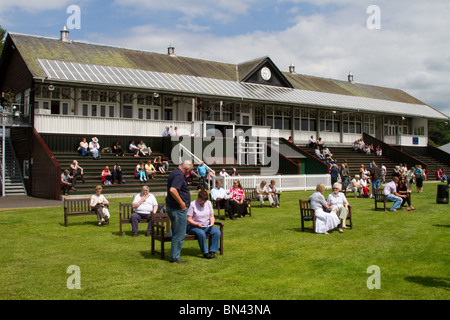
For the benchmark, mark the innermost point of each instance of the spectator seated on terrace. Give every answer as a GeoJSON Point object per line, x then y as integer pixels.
{"type": "Point", "coordinates": [143, 149]}
{"type": "Point", "coordinates": [319, 154]}
{"type": "Point", "coordinates": [312, 142]}
{"type": "Point", "coordinates": [94, 146]}
{"type": "Point", "coordinates": [133, 148]}
{"type": "Point", "coordinates": [440, 175]}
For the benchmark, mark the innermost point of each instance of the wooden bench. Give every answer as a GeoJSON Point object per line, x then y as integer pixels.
{"type": "Point", "coordinates": [256, 198]}
{"type": "Point", "coordinates": [161, 232]}
{"type": "Point", "coordinates": [77, 207]}
{"type": "Point", "coordinates": [380, 198]}
{"type": "Point", "coordinates": [308, 214]}
{"type": "Point", "coordinates": [125, 212]}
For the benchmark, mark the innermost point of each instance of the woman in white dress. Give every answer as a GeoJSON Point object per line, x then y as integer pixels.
{"type": "Point", "coordinates": [339, 203]}
{"type": "Point", "coordinates": [325, 221]}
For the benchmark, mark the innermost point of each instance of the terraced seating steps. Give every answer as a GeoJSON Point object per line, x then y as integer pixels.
{"type": "Point", "coordinates": [92, 172]}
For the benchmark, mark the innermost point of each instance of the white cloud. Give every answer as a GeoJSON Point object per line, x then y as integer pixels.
{"type": "Point", "coordinates": [410, 52]}
{"type": "Point", "coordinates": [217, 10]}
{"type": "Point", "coordinates": [34, 6]}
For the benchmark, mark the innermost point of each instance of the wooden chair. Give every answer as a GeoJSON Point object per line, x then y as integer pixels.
{"type": "Point", "coordinates": [380, 198]}
{"type": "Point", "coordinates": [216, 205]}
{"type": "Point", "coordinates": [307, 214]}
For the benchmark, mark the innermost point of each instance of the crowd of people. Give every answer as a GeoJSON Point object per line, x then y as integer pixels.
{"type": "Point", "coordinates": [92, 149]}
{"type": "Point", "coordinates": [197, 217]}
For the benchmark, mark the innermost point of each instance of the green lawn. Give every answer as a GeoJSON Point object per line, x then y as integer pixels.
{"type": "Point", "coordinates": [265, 257]}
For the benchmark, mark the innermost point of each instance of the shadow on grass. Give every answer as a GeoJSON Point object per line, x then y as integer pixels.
{"type": "Point", "coordinates": [441, 225]}
{"type": "Point", "coordinates": [431, 282]}
{"type": "Point", "coordinates": [185, 253]}
{"type": "Point", "coordinates": [84, 223]}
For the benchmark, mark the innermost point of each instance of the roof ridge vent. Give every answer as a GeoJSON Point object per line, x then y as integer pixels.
{"type": "Point", "coordinates": [65, 35]}
{"type": "Point", "coordinates": [171, 51]}
{"type": "Point", "coordinates": [350, 77]}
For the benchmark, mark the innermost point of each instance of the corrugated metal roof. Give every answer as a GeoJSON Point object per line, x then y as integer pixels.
{"type": "Point", "coordinates": [118, 76]}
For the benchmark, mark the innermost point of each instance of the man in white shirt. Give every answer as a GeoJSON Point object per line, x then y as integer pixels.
{"type": "Point", "coordinates": [318, 154]}
{"type": "Point", "coordinates": [391, 194]}
{"type": "Point", "coordinates": [221, 197]}
{"type": "Point", "coordinates": [144, 204]}
{"type": "Point", "coordinates": [223, 173]}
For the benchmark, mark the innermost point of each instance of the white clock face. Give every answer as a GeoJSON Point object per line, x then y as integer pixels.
{"type": "Point", "coordinates": [265, 73]}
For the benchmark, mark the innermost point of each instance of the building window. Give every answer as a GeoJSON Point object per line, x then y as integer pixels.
{"type": "Point", "coordinates": [278, 117]}
{"type": "Point", "coordinates": [259, 115]}
{"type": "Point", "coordinates": [308, 120]}
{"type": "Point", "coordinates": [111, 111]}
{"type": "Point", "coordinates": [352, 123]}
{"type": "Point", "coordinates": [65, 108]}
{"type": "Point", "coordinates": [94, 110]}
{"type": "Point", "coordinates": [102, 111]}
{"type": "Point", "coordinates": [85, 110]}
{"type": "Point", "coordinates": [330, 122]}
{"type": "Point", "coordinates": [128, 112]}
{"type": "Point", "coordinates": [85, 95]}
{"type": "Point", "coordinates": [128, 98]}
{"type": "Point", "coordinates": [369, 124]}
{"type": "Point", "coordinates": [168, 114]}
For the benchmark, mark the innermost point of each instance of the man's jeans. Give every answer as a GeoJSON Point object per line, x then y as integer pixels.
{"type": "Point", "coordinates": [397, 201]}
{"type": "Point", "coordinates": [375, 185]}
{"type": "Point", "coordinates": [178, 220]}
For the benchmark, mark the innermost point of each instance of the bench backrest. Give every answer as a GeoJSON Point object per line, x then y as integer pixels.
{"type": "Point", "coordinates": [125, 210]}
{"type": "Point", "coordinates": [250, 193]}
{"type": "Point", "coordinates": [77, 205]}
{"type": "Point", "coordinates": [162, 218]}
{"type": "Point", "coordinates": [379, 196]}
{"type": "Point", "coordinates": [304, 204]}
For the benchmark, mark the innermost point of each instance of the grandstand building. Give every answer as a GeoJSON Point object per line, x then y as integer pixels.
{"type": "Point", "coordinates": [66, 89]}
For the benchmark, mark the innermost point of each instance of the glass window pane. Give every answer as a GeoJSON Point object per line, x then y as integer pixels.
{"type": "Point", "coordinates": [128, 112]}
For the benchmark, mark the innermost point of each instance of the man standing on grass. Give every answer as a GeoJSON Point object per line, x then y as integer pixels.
{"type": "Point", "coordinates": [376, 177]}
{"type": "Point", "coordinates": [202, 169]}
{"type": "Point", "coordinates": [391, 194]}
{"type": "Point", "coordinates": [178, 200]}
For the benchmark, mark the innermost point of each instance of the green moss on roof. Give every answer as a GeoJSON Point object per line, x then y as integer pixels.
{"type": "Point", "coordinates": [32, 48]}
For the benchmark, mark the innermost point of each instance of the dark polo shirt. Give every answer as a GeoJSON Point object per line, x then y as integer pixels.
{"type": "Point", "coordinates": [177, 180]}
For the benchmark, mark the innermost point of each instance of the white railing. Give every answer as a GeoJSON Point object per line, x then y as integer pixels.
{"type": "Point", "coordinates": [282, 182]}
{"type": "Point", "coordinates": [248, 152]}
{"type": "Point", "coordinates": [106, 126]}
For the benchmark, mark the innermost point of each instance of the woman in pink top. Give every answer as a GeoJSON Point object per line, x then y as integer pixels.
{"type": "Point", "coordinates": [237, 202]}
{"type": "Point", "coordinates": [106, 176]}
{"type": "Point", "coordinates": [200, 218]}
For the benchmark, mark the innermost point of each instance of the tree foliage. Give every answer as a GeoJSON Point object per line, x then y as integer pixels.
{"type": "Point", "coordinates": [2, 35]}
{"type": "Point", "coordinates": [438, 132]}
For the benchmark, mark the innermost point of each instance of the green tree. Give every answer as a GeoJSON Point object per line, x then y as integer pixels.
{"type": "Point", "coordinates": [2, 35]}
{"type": "Point", "coordinates": [439, 132]}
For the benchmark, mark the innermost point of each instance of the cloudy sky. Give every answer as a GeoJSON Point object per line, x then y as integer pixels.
{"type": "Point", "coordinates": [400, 44]}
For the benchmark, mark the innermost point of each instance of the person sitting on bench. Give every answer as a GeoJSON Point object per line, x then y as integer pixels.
{"type": "Point", "coordinates": [144, 204]}
{"type": "Point", "coordinates": [200, 218]}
